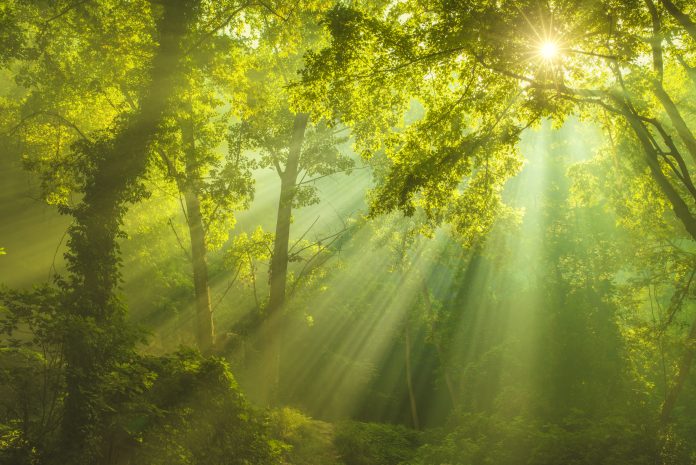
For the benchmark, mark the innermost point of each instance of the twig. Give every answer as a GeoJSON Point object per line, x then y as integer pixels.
{"type": "Point", "coordinates": [331, 174]}
{"type": "Point", "coordinates": [55, 253]}
{"type": "Point", "coordinates": [224, 23]}
{"type": "Point", "coordinates": [64, 11]}
{"type": "Point", "coordinates": [60, 117]}
{"type": "Point", "coordinates": [303, 271]}
{"type": "Point", "coordinates": [171, 225]}
{"type": "Point", "coordinates": [304, 234]}
{"type": "Point", "coordinates": [229, 286]}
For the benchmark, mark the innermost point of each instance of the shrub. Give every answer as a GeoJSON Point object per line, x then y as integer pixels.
{"type": "Point", "coordinates": [195, 414]}
{"type": "Point", "coordinates": [375, 444]}
{"type": "Point", "coordinates": [308, 441]}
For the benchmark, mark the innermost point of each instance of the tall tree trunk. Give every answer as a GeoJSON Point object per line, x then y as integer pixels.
{"type": "Point", "coordinates": [288, 179]}
{"type": "Point", "coordinates": [409, 378]}
{"type": "Point", "coordinates": [272, 334]}
{"type": "Point", "coordinates": [97, 336]}
{"type": "Point", "coordinates": [438, 347]}
{"type": "Point", "coordinates": [205, 330]}
{"type": "Point", "coordinates": [684, 369]}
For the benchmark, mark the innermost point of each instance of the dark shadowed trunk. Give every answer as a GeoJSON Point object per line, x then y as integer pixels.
{"type": "Point", "coordinates": [97, 336]}
{"type": "Point", "coordinates": [205, 333]}
{"type": "Point", "coordinates": [205, 330]}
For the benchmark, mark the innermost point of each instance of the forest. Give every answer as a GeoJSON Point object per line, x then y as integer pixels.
{"type": "Point", "coordinates": [347, 232]}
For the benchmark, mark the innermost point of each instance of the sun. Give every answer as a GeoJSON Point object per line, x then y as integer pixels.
{"type": "Point", "coordinates": [549, 50]}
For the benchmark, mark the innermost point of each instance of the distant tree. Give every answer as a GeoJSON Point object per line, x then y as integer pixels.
{"type": "Point", "coordinates": [298, 149]}
{"type": "Point", "coordinates": [213, 186]}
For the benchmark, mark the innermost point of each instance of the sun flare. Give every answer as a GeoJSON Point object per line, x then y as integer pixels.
{"type": "Point", "coordinates": [549, 50]}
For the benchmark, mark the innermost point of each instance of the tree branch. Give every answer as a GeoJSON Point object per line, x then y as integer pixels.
{"type": "Point", "coordinates": [681, 17]}
{"type": "Point", "coordinates": [186, 252]}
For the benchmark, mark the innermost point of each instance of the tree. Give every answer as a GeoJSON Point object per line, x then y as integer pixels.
{"type": "Point", "coordinates": [290, 143]}
{"type": "Point", "coordinates": [298, 149]}
{"type": "Point", "coordinates": [212, 186]}
{"type": "Point", "coordinates": [485, 72]}
{"type": "Point", "coordinates": [96, 335]}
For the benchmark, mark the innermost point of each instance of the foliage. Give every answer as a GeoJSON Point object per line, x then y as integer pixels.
{"type": "Point", "coordinates": [459, 173]}
{"type": "Point", "coordinates": [307, 441]}
{"type": "Point", "coordinates": [489, 439]}
{"type": "Point", "coordinates": [31, 374]}
{"type": "Point", "coordinates": [552, 321]}
{"type": "Point", "coordinates": [195, 414]}
{"type": "Point", "coordinates": [181, 408]}
{"type": "Point", "coordinates": [375, 444]}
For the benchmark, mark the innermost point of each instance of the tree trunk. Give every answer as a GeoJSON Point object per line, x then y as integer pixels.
{"type": "Point", "coordinates": [683, 373]}
{"type": "Point", "coordinates": [272, 334]}
{"type": "Point", "coordinates": [205, 330]}
{"type": "Point", "coordinates": [288, 179]}
{"type": "Point", "coordinates": [97, 336]}
{"type": "Point", "coordinates": [205, 333]}
{"type": "Point", "coordinates": [682, 211]}
{"type": "Point", "coordinates": [681, 17]}
{"type": "Point", "coordinates": [679, 206]}
{"type": "Point", "coordinates": [675, 116]}
{"type": "Point", "coordinates": [409, 378]}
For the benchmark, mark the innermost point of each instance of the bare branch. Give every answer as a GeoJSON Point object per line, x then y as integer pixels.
{"type": "Point", "coordinates": [273, 12]}
{"type": "Point", "coordinates": [331, 174]}
{"type": "Point", "coordinates": [229, 286]}
{"type": "Point", "coordinates": [65, 11]}
{"type": "Point", "coordinates": [186, 252]}
{"type": "Point", "coordinates": [58, 116]}
{"type": "Point", "coordinates": [303, 234]}
{"type": "Point", "coordinates": [215, 29]}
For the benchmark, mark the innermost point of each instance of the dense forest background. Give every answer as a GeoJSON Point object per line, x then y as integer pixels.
{"type": "Point", "coordinates": [347, 232]}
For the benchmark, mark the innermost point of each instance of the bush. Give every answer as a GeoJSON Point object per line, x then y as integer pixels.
{"type": "Point", "coordinates": [489, 439]}
{"type": "Point", "coordinates": [375, 444]}
{"type": "Point", "coordinates": [308, 441]}
{"type": "Point", "coordinates": [194, 414]}
{"type": "Point", "coordinates": [31, 375]}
